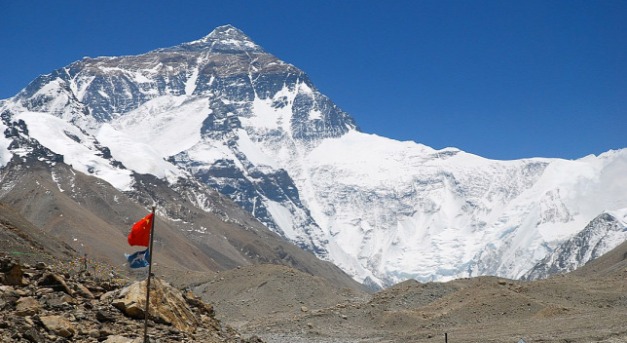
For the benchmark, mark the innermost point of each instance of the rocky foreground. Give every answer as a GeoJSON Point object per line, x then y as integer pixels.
{"type": "Point", "coordinates": [43, 303]}
{"type": "Point", "coordinates": [57, 302]}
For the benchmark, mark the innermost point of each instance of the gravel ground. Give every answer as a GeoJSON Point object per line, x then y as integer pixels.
{"type": "Point", "coordinates": [292, 338]}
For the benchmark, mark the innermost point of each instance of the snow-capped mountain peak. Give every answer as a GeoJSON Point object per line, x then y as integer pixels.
{"type": "Point", "coordinates": [222, 111]}
{"type": "Point", "coordinates": [226, 38]}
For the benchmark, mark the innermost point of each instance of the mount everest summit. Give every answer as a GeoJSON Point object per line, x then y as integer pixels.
{"type": "Point", "coordinates": [222, 111]}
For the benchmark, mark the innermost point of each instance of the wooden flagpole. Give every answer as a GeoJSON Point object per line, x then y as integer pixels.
{"type": "Point", "coordinates": [150, 253]}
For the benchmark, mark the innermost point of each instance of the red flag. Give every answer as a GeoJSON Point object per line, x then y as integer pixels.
{"type": "Point", "coordinates": [140, 232]}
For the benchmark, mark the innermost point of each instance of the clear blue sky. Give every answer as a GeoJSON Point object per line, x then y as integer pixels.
{"type": "Point", "coordinates": [501, 79]}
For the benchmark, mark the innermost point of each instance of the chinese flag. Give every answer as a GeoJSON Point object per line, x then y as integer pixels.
{"type": "Point", "coordinates": [140, 232]}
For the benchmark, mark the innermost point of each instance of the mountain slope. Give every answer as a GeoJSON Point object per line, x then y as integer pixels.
{"type": "Point", "coordinates": [93, 218]}
{"type": "Point", "coordinates": [21, 239]}
{"type": "Point", "coordinates": [223, 111]}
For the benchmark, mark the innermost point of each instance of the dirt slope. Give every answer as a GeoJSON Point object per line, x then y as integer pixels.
{"type": "Point", "coordinates": [21, 239]}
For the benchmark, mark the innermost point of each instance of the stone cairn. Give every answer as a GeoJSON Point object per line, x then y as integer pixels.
{"type": "Point", "coordinates": [41, 303]}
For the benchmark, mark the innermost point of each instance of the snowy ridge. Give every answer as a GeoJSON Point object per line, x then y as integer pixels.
{"type": "Point", "coordinates": [225, 38]}
{"type": "Point", "coordinates": [600, 236]}
{"type": "Point", "coordinates": [78, 149]}
{"type": "Point", "coordinates": [223, 112]}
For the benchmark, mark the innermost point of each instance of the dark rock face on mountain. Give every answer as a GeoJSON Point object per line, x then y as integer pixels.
{"type": "Point", "coordinates": [225, 65]}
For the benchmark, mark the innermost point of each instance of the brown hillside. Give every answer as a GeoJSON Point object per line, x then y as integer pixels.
{"type": "Point", "coordinates": [94, 218]}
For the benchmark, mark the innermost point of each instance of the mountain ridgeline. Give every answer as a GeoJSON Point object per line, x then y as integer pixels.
{"type": "Point", "coordinates": [220, 113]}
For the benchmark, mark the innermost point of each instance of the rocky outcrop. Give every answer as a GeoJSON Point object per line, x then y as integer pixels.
{"type": "Point", "coordinates": [167, 305]}
{"type": "Point", "coordinates": [46, 305]}
{"type": "Point", "coordinates": [600, 236]}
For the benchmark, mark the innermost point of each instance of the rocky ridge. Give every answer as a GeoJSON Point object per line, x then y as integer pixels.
{"type": "Point", "coordinates": [63, 303]}
{"type": "Point", "coordinates": [596, 239]}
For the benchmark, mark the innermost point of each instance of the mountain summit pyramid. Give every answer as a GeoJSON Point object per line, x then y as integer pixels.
{"type": "Point", "coordinates": [226, 38]}
{"type": "Point", "coordinates": [222, 111]}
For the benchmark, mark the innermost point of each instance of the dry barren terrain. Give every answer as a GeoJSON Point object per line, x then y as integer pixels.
{"type": "Point", "coordinates": [283, 305]}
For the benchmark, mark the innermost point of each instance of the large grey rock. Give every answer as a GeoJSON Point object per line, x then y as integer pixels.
{"type": "Point", "coordinates": [167, 304]}
{"type": "Point", "coordinates": [27, 306]}
{"type": "Point", "coordinates": [121, 339]}
{"type": "Point", "coordinates": [58, 326]}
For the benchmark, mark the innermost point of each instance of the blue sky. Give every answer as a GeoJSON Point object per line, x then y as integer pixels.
{"type": "Point", "coordinates": [500, 79]}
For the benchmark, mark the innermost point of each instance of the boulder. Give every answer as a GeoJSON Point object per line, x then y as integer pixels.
{"type": "Point", "coordinates": [83, 291]}
{"type": "Point", "coordinates": [167, 304]}
{"type": "Point", "coordinates": [121, 339]}
{"type": "Point", "coordinates": [58, 326]}
{"type": "Point", "coordinates": [15, 276]}
{"type": "Point", "coordinates": [27, 306]}
{"type": "Point", "coordinates": [104, 317]}
{"type": "Point", "coordinates": [56, 282]}
{"type": "Point", "coordinates": [132, 300]}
